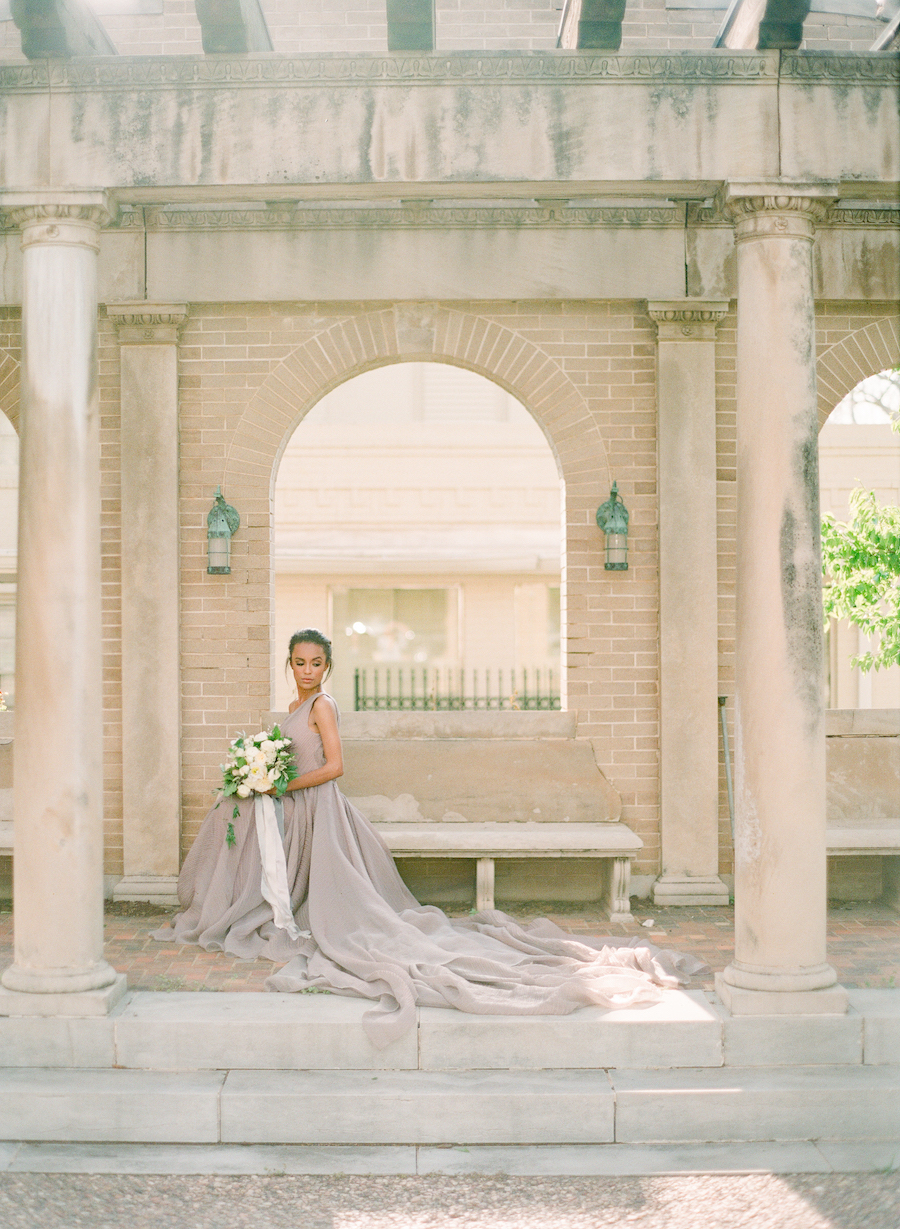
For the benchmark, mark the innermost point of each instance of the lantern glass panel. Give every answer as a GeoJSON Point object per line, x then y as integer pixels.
{"type": "Point", "coordinates": [219, 554]}
{"type": "Point", "coordinates": [616, 552]}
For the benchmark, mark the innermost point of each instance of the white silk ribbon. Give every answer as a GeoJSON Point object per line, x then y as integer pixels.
{"type": "Point", "coordinates": [274, 867]}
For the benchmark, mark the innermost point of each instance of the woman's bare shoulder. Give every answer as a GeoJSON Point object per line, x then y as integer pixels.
{"type": "Point", "coordinates": [330, 708]}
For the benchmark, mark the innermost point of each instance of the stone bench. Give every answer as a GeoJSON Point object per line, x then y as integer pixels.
{"type": "Point", "coordinates": [488, 786]}
{"type": "Point", "coordinates": [485, 842]}
{"type": "Point", "coordinates": [863, 801]}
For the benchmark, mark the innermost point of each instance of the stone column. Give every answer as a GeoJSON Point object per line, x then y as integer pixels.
{"type": "Point", "coordinates": [58, 785]}
{"type": "Point", "coordinates": [688, 607]}
{"type": "Point", "coordinates": [151, 679]}
{"type": "Point", "coordinates": [780, 895]}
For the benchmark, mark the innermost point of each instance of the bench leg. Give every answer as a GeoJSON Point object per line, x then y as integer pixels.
{"type": "Point", "coordinates": [484, 884]}
{"type": "Point", "coordinates": [620, 891]}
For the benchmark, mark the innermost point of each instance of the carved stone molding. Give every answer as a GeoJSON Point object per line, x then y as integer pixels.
{"type": "Point", "coordinates": [686, 321]}
{"type": "Point", "coordinates": [715, 214]}
{"type": "Point", "coordinates": [512, 67]}
{"type": "Point", "coordinates": [858, 68]}
{"type": "Point", "coordinates": [141, 323]}
{"type": "Point", "coordinates": [419, 214]}
{"type": "Point", "coordinates": [876, 216]}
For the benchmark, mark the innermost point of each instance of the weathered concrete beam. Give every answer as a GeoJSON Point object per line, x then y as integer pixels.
{"type": "Point", "coordinates": [410, 25]}
{"type": "Point", "coordinates": [763, 25]}
{"type": "Point", "coordinates": [232, 26]}
{"type": "Point", "coordinates": [592, 25]}
{"type": "Point", "coordinates": [451, 125]}
{"type": "Point", "coordinates": [53, 28]}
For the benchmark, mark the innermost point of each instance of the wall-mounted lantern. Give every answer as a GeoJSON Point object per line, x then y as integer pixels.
{"type": "Point", "coordinates": [612, 517]}
{"type": "Point", "coordinates": [221, 523]}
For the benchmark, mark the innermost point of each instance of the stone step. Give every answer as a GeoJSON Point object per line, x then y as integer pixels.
{"type": "Point", "coordinates": [231, 1031]}
{"type": "Point", "coordinates": [699, 1105]}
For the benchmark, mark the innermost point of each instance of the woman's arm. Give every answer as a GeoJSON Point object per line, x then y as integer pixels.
{"type": "Point", "coordinates": [325, 721]}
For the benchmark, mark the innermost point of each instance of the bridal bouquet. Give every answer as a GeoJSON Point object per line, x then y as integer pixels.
{"type": "Point", "coordinates": [256, 765]}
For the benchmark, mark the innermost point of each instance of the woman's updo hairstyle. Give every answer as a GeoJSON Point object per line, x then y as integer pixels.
{"type": "Point", "coordinates": [312, 635]}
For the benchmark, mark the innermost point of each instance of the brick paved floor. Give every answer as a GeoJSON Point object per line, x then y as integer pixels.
{"type": "Point", "coordinates": [863, 944]}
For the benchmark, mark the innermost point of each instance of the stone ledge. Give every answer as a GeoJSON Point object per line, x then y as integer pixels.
{"type": "Point", "coordinates": [202, 1030]}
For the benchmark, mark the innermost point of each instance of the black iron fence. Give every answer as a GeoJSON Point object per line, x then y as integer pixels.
{"type": "Point", "coordinates": [430, 689]}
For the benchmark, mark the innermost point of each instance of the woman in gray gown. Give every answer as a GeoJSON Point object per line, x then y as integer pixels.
{"type": "Point", "coordinates": [359, 930]}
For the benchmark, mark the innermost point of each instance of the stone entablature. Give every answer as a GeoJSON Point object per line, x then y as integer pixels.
{"type": "Point", "coordinates": [424, 126]}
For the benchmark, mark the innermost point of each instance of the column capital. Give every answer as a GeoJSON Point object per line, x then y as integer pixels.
{"type": "Point", "coordinates": [142, 323]}
{"type": "Point", "coordinates": [687, 319]}
{"type": "Point", "coordinates": [69, 218]}
{"type": "Point", "coordinates": [787, 210]}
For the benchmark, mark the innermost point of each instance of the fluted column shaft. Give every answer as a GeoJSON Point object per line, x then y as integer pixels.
{"type": "Point", "coordinates": [58, 784]}
{"type": "Point", "coordinates": [780, 895]}
{"type": "Point", "coordinates": [151, 679]}
{"type": "Point", "coordinates": [688, 606]}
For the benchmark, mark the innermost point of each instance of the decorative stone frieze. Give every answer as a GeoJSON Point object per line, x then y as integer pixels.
{"type": "Point", "coordinates": [514, 67]}
{"type": "Point", "coordinates": [147, 324]}
{"type": "Point", "coordinates": [847, 69]}
{"type": "Point", "coordinates": [424, 215]}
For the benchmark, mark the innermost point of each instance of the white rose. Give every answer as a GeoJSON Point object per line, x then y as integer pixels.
{"type": "Point", "coordinates": [261, 738]}
{"type": "Point", "coordinates": [243, 791]}
{"type": "Point", "coordinates": [267, 746]}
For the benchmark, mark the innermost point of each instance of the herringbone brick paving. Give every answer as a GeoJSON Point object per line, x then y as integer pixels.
{"type": "Point", "coordinates": [863, 944]}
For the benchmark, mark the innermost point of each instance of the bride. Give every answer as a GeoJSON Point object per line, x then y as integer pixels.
{"type": "Point", "coordinates": [357, 929]}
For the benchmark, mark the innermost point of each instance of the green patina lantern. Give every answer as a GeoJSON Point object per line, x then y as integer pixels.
{"type": "Point", "coordinates": [221, 523]}
{"type": "Point", "coordinates": [612, 517]}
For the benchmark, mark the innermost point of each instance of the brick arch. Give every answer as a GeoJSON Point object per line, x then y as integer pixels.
{"type": "Point", "coordinates": [9, 388]}
{"type": "Point", "coordinates": [863, 353]}
{"type": "Point", "coordinates": [414, 333]}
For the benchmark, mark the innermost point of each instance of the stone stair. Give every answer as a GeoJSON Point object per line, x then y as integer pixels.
{"type": "Point", "coordinates": [206, 1068]}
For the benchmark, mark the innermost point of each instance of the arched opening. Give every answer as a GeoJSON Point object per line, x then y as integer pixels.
{"type": "Point", "coordinates": [859, 450]}
{"type": "Point", "coordinates": [418, 522]}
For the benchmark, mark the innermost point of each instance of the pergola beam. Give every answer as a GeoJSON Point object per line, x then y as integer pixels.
{"type": "Point", "coordinates": [591, 25]}
{"type": "Point", "coordinates": [230, 27]}
{"type": "Point", "coordinates": [410, 25]}
{"type": "Point", "coordinates": [763, 25]}
{"type": "Point", "coordinates": [59, 28]}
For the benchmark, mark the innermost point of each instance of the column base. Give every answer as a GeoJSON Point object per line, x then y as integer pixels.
{"type": "Point", "coordinates": [830, 1001]}
{"type": "Point", "coordinates": [690, 890]}
{"type": "Point", "coordinates": [155, 889]}
{"type": "Point", "coordinates": [84, 1003]}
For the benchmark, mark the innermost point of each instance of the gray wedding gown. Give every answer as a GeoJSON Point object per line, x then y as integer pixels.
{"type": "Point", "coordinates": [369, 937]}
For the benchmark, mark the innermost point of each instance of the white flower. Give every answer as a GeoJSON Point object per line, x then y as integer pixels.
{"type": "Point", "coordinates": [267, 745]}
{"type": "Point", "coordinates": [243, 791]}
{"type": "Point", "coordinates": [261, 738]}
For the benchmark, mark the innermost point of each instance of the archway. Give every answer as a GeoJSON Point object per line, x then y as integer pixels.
{"type": "Point", "coordinates": [417, 520]}
{"type": "Point", "coordinates": [858, 449]}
